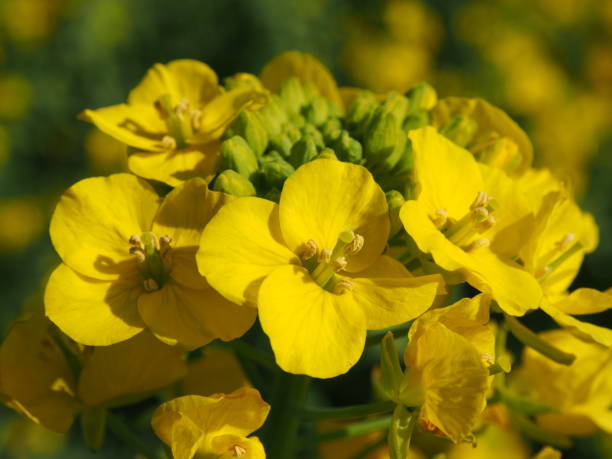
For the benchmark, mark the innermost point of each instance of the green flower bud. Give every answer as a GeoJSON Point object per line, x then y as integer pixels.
{"type": "Point", "coordinates": [347, 148]}
{"type": "Point", "coordinates": [327, 153]}
{"type": "Point", "coordinates": [395, 200]}
{"type": "Point", "coordinates": [310, 130]}
{"type": "Point", "coordinates": [396, 104]}
{"type": "Point", "coordinates": [317, 111]}
{"type": "Point", "coordinates": [282, 144]}
{"type": "Point", "coordinates": [416, 120]}
{"type": "Point", "coordinates": [361, 112]}
{"type": "Point", "coordinates": [330, 127]}
{"type": "Point", "coordinates": [231, 182]}
{"type": "Point", "coordinates": [293, 134]}
{"type": "Point", "coordinates": [303, 151]}
{"type": "Point", "coordinates": [292, 95]}
{"type": "Point", "coordinates": [384, 141]}
{"type": "Point", "coordinates": [238, 156]}
{"type": "Point", "coordinates": [297, 121]}
{"type": "Point", "coordinates": [503, 154]}
{"type": "Point", "coordinates": [273, 116]}
{"type": "Point", "coordinates": [311, 92]}
{"type": "Point", "coordinates": [249, 125]}
{"type": "Point", "coordinates": [275, 170]}
{"type": "Point", "coordinates": [391, 371]}
{"type": "Point", "coordinates": [422, 97]}
{"type": "Point", "coordinates": [460, 129]}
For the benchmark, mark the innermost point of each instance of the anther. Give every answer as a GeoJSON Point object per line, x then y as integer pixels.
{"type": "Point", "coordinates": [182, 109]}
{"type": "Point", "coordinates": [482, 199]}
{"type": "Point", "coordinates": [136, 241]}
{"type": "Point", "coordinates": [138, 252]}
{"type": "Point", "coordinates": [150, 285]}
{"type": "Point", "coordinates": [339, 263]}
{"type": "Point", "coordinates": [238, 450]}
{"type": "Point", "coordinates": [567, 240]}
{"type": "Point", "coordinates": [440, 218]}
{"type": "Point", "coordinates": [487, 359]}
{"type": "Point", "coordinates": [479, 243]}
{"type": "Point", "coordinates": [307, 250]}
{"type": "Point", "coordinates": [159, 106]}
{"type": "Point", "coordinates": [164, 244]}
{"type": "Point", "coordinates": [355, 245]}
{"type": "Point", "coordinates": [196, 119]}
{"type": "Point", "coordinates": [169, 142]}
{"type": "Point", "coordinates": [324, 256]}
{"type": "Point", "coordinates": [343, 285]}
{"type": "Point", "coordinates": [479, 214]}
{"type": "Point", "coordinates": [487, 224]}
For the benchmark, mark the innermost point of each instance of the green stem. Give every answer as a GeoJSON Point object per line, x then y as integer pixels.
{"type": "Point", "coordinates": [122, 431]}
{"type": "Point", "coordinates": [282, 425]}
{"type": "Point", "coordinates": [529, 338]}
{"type": "Point", "coordinates": [399, 331]}
{"type": "Point", "coordinates": [537, 433]}
{"type": "Point", "coordinates": [253, 354]}
{"type": "Point", "coordinates": [347, 412]}
{"type": "Point", "coordinates": [365, 452]}
{"type": "Point", "coordinates": [349, 431]}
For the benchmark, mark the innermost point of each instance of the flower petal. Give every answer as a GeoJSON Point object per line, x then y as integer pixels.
{"type": "Point", "coordinates": [136, 126]}
{"type": "Point", "coordinates": [240, 246]}
{"type": "Point", "coordinates": [216, 371]}
{"type": "Point", "coordinates": [193, 318]}
{"type": "Point", "coordinates": [586, 301]}
{"type": "Point", "coordinates": [583, 330]}
{"type": "Point", "coordinates": [93, 312]}
{"type": "Point", "coordinates": [389, 295]}
{"type": "Point", "coordinates": [137, 366]}
{"type": "Point", "coordinates": [93, 221]}
{"type": "Point", "coordinates": [312, 331]}
{"type": "Point", "coordinates": [325, 197]}
{"type": "Point", "coordinates": [176, 166]}
{"type": "Point", "coordinates": [306, 68]}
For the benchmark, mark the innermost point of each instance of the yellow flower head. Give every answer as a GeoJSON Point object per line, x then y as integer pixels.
{"type": "Point", "coordinates": [313, 266]}
{"type": "Point", "coordinates": [129, 264]}
{"type": "Point", "coordinates": [215, 426]}
{"type": "Point", "coordinates": [217, 370]}
{"type": "Point", "coordinates": [581, 392]}
{"type": "Point", "coordinates": [172, 120]}
{"type": "Point", "coordinates": [471, 219]}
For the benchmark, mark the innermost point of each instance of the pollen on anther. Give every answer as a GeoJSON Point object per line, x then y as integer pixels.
{"type": "Point", "coordinates": [169, 142]}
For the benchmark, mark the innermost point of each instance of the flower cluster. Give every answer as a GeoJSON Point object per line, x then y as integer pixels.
{"type": "Point", "coordinates": [329, 214]}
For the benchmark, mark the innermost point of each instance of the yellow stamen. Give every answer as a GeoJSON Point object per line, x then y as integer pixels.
{"type": "Point", "coordinates": [169, 142]}
{"type": "Point", "coordinates": [238, 450]}
{"type": "Point", "coordinates": [307, 250]}
{"type": "Point", "coordinates": [342, 286]}
{"type": "Point", "coordinates": [440, 218]}
{"type": "Point", "coordinates": [150, 285]}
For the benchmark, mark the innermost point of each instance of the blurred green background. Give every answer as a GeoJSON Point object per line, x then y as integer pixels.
{"type": "Point", "coordinates": [547, 62]}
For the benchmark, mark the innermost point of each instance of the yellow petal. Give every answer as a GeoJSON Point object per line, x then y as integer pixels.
{"type": "Point", "coordinates": [137, 366]}
{"type": "Point", "coordinates": [193, 318]}
{"type": "Point", "coordinates": [325, 197]}
{"type": "Point", "coordinates": [238, 413]}
{"type": "Point", "coordinates": [490, 119]}
{"type": "Point", "coordinates": [186, 438]}
{"type": "Point", "coordinates": [548, 453]}
{"type": "Point", "coordinates": [93, 221]}
{"type": "Point", "coordinates": [137, 126]}
{"type": "Point", "coordinates": [389, 295]}
{"type": "Point", "coordinates": [584, 330]}
{"type": "Point", "coordinates": [240, 246]}
{"type": "Point", "coordinates": [586, 301]}
{"type": "Point", "coordinates": [306, 68]}
{"type": "Point", "coordinates": [447, 176]}
{"type": "Point", "coordinates": [227, 446]}
{"type": "Point", "coordinates": [312, 331]}
{"type": "Point", "coordinates": [183, 215]}
{"type": "Point", "coordinates": [216, 371]}
{"type": "Point", "coordinates": [176, 166]}
{"type": "Point", "coordinates": [32, 366]}
{"type": "Point", "coordinates": [93, 312]}
{"type": "Point", "coordinates": [452, 376]}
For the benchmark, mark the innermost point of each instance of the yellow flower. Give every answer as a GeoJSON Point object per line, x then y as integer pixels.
{"type": "Point", "coordinates": [313, 266]}
{"type": "Point", "coordinates": [581, 392]}
{"type": "Point", "coordinates": [215, 426]}
{"type": "Point", "coordinates": [217, 370]}
{"type": "Point", "coordinates": [497, 139]}
{"type": "Point", "coordinates": [173, 119]}
{"type": "Point", "coordinates": [446, 376]}
{"type": "Point", "coordinates": [471, 219]}
{"type": "Point", "coordinates": [129, 264]}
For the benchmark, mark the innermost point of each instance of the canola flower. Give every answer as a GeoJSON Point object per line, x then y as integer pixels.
{"type": "Point", "coordinates": [334, 216]}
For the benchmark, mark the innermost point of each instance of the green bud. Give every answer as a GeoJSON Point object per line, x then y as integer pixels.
{"type": "Point", "coordinates": [292, 95]}
{"type": "Point", "coordinates": [460, 129]}
{"type": "Point", "coordinates": [273, 116]}
{"type": "Point", "coordinates": [303, 151]}
{"type": "Point", "coordinates": [330, 127]}
{"type": "Point", "coordinates": [311, 92]}
{"type": "Point", "coordinates": [390, 368]}
{"type": "Point", "coordinates": [397, 104]}
{"type": "Point", "coordinates": [93, 426]}
{"type": "Point", "coordinates": [361, 112]}
{"type": "Point", "coordinates": [384, 142]}
{"type": "Point", "coordinates": [395, 200]}
{"type": "Point", "coordinates": [503, 154]}
{"type": "Point", "coordinates": [275, 170]}
{"type": "Point", "coordinates": [282, 144]}
{"type": "Point", "coordinates": [231, 182]}
{"type": "Point", "coordinates": [347, 148]}
{"type": "Point", "coordinates": [317, 111]}
{"type": "Point", "coordinates": [327, 153]}
{"type": "Point", "coordinates": [297, 120]}
{"type": "Point", "coordinates": [293, 134]}
{"type": "Point", "coordinates": [310, 130]}
{"type": "Point", "coordinates": [421, 97]}
{"type": "Point", "coordinates": [238, 156]}
{"type": "Point", "coordinates": [416, 120]}
{"type": "Point", "coordinates": [250, 125]}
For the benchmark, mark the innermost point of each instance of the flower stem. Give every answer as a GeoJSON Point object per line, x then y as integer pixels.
{"type": "Point", "coordinates": [539, 434]}
{"type": "Point", "coordinates": [253, 354]}
{"type": "Point", "coordinates": [282, 426]}
{"type": "Point", "coordinates": [347, 412]}
{"type": "Point", "coordinates": [399, 331]}
{"type": "Point", "coordinates": [351, 430]}
{"type": "Point", "coordinates": [122, 431]}
{"type": "Point", "coordinates": [529, 338]}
